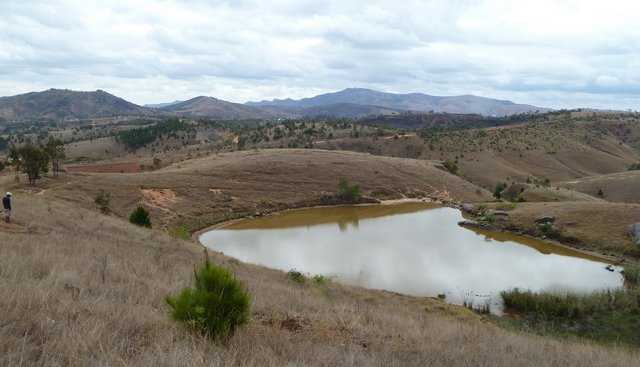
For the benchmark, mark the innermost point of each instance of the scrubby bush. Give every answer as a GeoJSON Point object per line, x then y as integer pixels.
{"type": "Point", "coordinates": [497, 192]}
{"type": "Point", "coordinates": [296, 276]}
{"type": "Point", "coordinates": [140, 217]}
{"type": "Point", "coordinates": [631, 274]}
{"type": "Point", "coordinates": [216, 306]}
{"type": "Point", "coordinates": [103, 200]}
{"type": "Point", "coordinates": [348, 192]}
{"type": "Point", "coordinates": [451, 166]}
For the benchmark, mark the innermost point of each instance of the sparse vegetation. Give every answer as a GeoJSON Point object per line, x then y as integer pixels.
{"type": "Point", "coordinates": [216, 305]}
{"type": "Point", "coordinates": [631, 274]}
{"type": "Point", "coordinates": [634, 167]}
{"type": "Point", "coordinates": [103, 200]}
{"type": "Point", "coordinates": [140, 217]}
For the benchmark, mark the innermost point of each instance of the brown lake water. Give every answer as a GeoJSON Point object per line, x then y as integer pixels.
{"type": "Point", "coordinates": [411, 248]}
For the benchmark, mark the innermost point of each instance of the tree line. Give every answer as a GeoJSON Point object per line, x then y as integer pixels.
{"type": "Point", "coordinates": [34, 159]}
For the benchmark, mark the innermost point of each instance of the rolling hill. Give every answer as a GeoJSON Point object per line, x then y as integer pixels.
{"type": "Point", "coordinates": [64, 104]}
{"type": "Point", "coordinates": [404, 102]}
{"type": "Point", "coordinates": [218, 109]}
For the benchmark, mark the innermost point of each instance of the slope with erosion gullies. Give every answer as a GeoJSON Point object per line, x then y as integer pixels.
{"type": "Point", "coordinates": [557, 150]}
{"type": "Point", "coordinates": [204, 191]}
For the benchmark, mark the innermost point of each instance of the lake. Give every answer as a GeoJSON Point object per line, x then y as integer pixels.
{"type": "Point", "coordinates": [411, 248]}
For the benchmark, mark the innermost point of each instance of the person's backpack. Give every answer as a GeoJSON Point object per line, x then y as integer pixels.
{"type": "Point", "coordinates": [6, 202]}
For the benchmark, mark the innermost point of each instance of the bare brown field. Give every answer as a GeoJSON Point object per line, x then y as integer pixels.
{"type": "Point", "coordinates": [214, 188]}
{"type": "Point", "coordinates": [80, 288]}
{"type": "Point", "coordinates": [623, 187]}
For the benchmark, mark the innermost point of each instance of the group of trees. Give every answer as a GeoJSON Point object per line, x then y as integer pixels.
{"type": "Point", "coordinates": [34, 160]}
{"type": "Point", "coordinates": [138, 138]}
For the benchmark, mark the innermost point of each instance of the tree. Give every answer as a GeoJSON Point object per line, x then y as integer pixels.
{"type": "Point", "coordinates": [55, 150]}
{"type": "Point", "coordinates": [15, 160]}
{"type": "Point", "coordinates": [348, 192]}
{"type": "Point", "coordinates": [35, 162]}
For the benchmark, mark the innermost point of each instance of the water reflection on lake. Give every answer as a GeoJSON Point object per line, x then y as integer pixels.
{"type": "Point", "coordinates": [411, 248]}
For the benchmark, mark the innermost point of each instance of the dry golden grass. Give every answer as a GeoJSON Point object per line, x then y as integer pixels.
{"type": "Point", "coordinates": [78, 288]}
{"type": "Point", "coordinates": [218, 187]}
{"type": "Point", "coordinates": [618, 187]}
{"type": "Point", "coordinates": [597, 226]}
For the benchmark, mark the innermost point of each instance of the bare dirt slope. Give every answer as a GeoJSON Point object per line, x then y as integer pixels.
{"type": "Point", "coordinates": [80, 288]}
{"type": "Point", "coordinates": [206, 190]}
{"type": "Point", "coordinates": [621, 187]}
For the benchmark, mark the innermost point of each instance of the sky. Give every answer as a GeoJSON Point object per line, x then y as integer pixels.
{"type": "Point", "coordinates": [559, 54]}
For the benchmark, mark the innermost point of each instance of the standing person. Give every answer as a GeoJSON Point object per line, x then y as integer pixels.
{"type": "Point", "coordinates": [6, 204]}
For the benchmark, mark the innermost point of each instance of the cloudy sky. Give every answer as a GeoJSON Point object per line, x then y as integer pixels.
{"type": "Point", "coordinates": [550, 53]}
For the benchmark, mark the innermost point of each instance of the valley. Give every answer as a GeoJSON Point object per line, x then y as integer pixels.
{"type": "Point", "coordinates": [198, 176]}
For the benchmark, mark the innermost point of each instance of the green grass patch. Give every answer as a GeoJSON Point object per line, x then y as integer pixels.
{"type": "Point", "coordinates": [631, 274]}
{"type": "Point", "coordinates": [611, 316]}
{"type": "Point", "coordinates": [181, 232]}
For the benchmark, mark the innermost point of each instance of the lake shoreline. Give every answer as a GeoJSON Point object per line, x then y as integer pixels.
{"type": "Point", "coordinates": [454, 205]}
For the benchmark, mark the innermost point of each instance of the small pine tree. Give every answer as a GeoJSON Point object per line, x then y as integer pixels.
{"type": "Point", "coordinates": [140, 217]}
{"type": "Point", "coordinates": [217, 304]}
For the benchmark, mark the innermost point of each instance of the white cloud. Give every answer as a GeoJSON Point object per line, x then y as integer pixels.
{"type": "Point", "coordinates": [548, 52]}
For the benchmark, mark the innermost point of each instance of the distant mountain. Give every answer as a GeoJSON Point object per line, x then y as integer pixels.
{"type": "Point", "coordinates": [62, 104]}
{"type": "Point", "coordinates": [403, 102]}
{"type": "Point", "coordinates": [219, 109]}
{"type": "Point", "coordinates": [160, 105]}
{"type": "Point", "coordinates": [338, 110]}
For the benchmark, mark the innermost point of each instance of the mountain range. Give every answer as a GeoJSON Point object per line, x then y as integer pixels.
{"type": "Point", "coordinates": [63, 104]}
{"type": "Point", "coordinates": [418, 102]}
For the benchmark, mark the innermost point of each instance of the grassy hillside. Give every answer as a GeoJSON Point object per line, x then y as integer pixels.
{"type": "Point", "coordinates": [623, 187]}
{"type": "Point", "coordinates": [597, 226]}
{"type": "Point", "coordinates": [557, 150]}
{"type": "Point", "coordinates": [80, 288]}
{"type": "Point", "coordinates": [203, 191]}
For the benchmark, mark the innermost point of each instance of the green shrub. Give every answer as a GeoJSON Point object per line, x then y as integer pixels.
{"type": "Point", "coordinates": [497, 192]}
{"type": "Point", "coordinates": [296, 276]}
{"type": "Point", "coordinates": [348, 192]}
{"type": "Point", "coordinates": [216, 306]}
{"type": "Point", "coordinates": [631, 274]}
{"type": "Point", "coordinates": [140, 217]}
{"type": "Point", "coordinates": [320, 279]}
